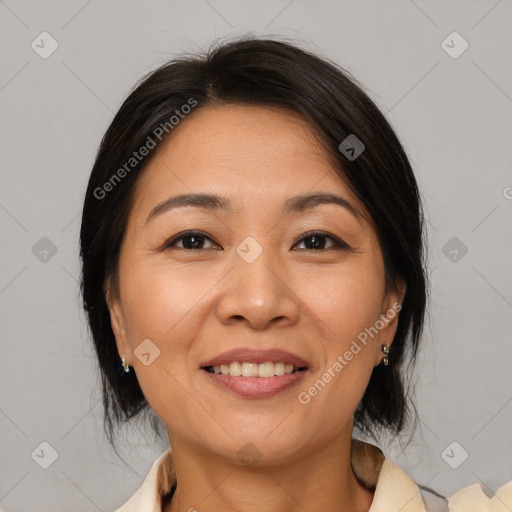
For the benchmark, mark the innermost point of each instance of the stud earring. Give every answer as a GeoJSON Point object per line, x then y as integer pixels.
{"type": "Point", "coordinates": [385, 349]}
{"type": "Point", "coordinates": [125, 366]}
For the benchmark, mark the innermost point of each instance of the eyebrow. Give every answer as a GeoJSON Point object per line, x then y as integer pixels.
{"type": "Point", "coordinates": [213, 202]}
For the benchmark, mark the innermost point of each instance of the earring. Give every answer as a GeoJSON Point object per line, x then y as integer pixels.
{"type": "Point", "coordinates": [125, 366]}
{"type": "Point", "coordinates": [385, 349]}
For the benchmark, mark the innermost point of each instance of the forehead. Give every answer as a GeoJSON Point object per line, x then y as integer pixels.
{"type": "Point", "coordinates": [240, 151]}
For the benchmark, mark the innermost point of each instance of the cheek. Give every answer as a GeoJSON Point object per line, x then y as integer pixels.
{"type": "Point", "coordinates": [162, 305]}
{"type": "Point", "coordinates": [346, 301]}
{"type": "Point", "coordinates": [159, 301]}
{"type": "Point", "coordinates": [345, 304]}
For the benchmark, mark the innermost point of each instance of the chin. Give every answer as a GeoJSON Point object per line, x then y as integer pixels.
{"type": "Point", "coordinates": [261, 449]}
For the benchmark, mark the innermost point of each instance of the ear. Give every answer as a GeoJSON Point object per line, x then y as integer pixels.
{"type": "Point", "coordinates": [117, 320]}
{"type": "Point", "coordinates": [388, 324]}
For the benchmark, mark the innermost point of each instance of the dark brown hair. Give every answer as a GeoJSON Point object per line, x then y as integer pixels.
{"type": "Point", "coordinates": [271, 73]}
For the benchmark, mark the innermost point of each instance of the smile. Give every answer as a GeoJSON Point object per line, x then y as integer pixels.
{"type": "Point", "coordinates": [264, 370]}
{"type": "Point", "coordinates": [259, 383]}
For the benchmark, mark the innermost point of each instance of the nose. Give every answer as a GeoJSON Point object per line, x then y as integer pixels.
{"type": "Point", "coordinates": [258, 294]}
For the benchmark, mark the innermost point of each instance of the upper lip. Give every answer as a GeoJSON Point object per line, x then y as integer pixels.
{"type": "Point", "coordinates": [248, 355]}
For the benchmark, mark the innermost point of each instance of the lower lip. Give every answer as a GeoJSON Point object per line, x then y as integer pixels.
{"type": "Point", "coordinates": [256, 387]}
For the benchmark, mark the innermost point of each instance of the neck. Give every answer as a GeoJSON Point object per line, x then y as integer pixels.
{"type": "Point", "coordinates": [320, 480]}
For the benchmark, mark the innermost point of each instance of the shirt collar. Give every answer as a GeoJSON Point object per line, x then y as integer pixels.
{"type": "Point", "coordinates": [393, 488]}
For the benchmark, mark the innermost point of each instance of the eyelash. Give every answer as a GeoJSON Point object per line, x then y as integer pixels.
{"type": "Point", "coordinates": [339, 244]}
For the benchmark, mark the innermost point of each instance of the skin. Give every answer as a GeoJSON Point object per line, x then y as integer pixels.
{"type": "Point", "coordinates": [194, 304]}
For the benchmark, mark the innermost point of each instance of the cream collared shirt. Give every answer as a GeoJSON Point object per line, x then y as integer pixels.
{"type": "Point", "coordinates": [394, 490]}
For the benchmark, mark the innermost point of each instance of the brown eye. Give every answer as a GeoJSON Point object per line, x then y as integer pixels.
{"type": "Point", "coordinates": [317, 241]}
{"type": "Point", "coordinates": [190, 240]}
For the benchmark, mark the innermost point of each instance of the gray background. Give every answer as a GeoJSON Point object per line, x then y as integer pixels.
{"type": "Point", "coordinates": [453, 116]}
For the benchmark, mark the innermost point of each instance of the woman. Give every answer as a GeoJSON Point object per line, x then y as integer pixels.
{"type": "Point", "coordinates": [253, 271]}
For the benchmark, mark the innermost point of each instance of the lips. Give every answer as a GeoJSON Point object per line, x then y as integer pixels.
{"type": "Point", "coordinates": [256, 387]}
{"type": "Point", "coordinates": [256, 356]}
{"type": "Point", "coordinates": [256, 374]}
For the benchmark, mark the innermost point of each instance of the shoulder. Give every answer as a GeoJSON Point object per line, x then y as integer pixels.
{"type": "Point", "coordinates": [397, 489]}
{"type": "Point", "coordinates": [393, 488]}
{"type": "Point", "coordinates": [473, 499]}
{"type": "Point", "coordinates": [469, 499]}
{"type": "Point", "coordinates": [158, 481]}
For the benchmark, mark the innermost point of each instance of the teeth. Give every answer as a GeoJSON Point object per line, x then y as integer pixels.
{"type": "Point", "coordinates": [279, 369]}
{"type": "Point", "coordinates": [235, 369]}
{"type": "Point", "coordinates": [267, 369]}
{"type": "Point", "coordinates": [249, 369]}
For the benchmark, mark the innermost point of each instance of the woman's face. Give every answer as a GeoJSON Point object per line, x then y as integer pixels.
{"type": "Point", "coordinates": [249, 282]}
